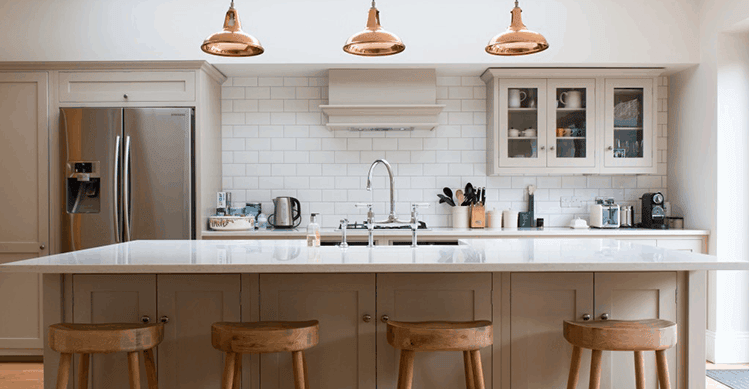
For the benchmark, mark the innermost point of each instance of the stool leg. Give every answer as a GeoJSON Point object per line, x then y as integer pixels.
{"type": "Point", "coordinates": [84, 360]}
{"type": "Point", "coordinates": [297, 358]}
{"type": "Point", "coordinates": [595, 370]}
{"type": "Point", "coordinates": [238, 371]}
{"type": "Point", "coordinates": [306, 375]}
{"type": "Point", "coordinates": [660, 358]}
{"type": "Point", "coordinates": [63, 371]}
{"type": "Point", "coordinates": [469, 369]}
{"type": "Point", "coordinates": [577, 357]}
{"type": "Point", "coordinates": [133, 368]}
{"type": "Point", "coordinates": [153, 381]}
{"type": "Point", "coordinates": [228, 377]}
{"type": "Point", "coordinates": [478, 371]}
{"type": "Point", "coordinates": [640, 370]}
{"type": "Point", "coordinates": [406, 369]}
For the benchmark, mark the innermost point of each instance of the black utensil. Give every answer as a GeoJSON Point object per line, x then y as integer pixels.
{"type": "Point", "coordinates": [483, 197]}
{"type": "Point", "coordinates": [445, 199]}
{"type": "Point", "coordinates": [448, 192]}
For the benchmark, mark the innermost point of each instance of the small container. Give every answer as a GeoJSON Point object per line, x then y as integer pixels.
{"type": "Point", "coordinates": [494, 219]}
{"type": "Point", "coordinates": [253, 209]}
{"type": "Point", "coordinates": [262, 222]}
{"type": "Point", "coordinates": [628, 216]}
{"type": "Point", "coordinates": [221, 203]}
{"type": "Point", "coordinates": [313, 232]}
{"type": "Point", "coordinates": [510, 218]}
{"type": "Point", "coordinates": [540, 222]}
{"type": "Point", "coordinates": [675, 223]}
{"type": "Point", "coordinates": [236, 211]}
{"type": "Point", "coordinates": [461, 216]}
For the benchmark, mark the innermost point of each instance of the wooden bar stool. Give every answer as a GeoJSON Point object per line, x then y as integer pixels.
{"type": "Point", "coordinates": [467, 337]}
{"type": "Point", "coordinates": [620, 335]}
{"type": "Point", "coordinates": [87, 339]}
{"type": "Point", "coordinates": [262, 337]}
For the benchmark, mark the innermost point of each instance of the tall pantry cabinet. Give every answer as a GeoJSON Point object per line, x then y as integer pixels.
{"type": "Point", "coordinates": [31, 95]}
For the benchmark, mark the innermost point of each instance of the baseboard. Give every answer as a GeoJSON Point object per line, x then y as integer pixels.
{"type": "Point", "coordinates": [727, 346]}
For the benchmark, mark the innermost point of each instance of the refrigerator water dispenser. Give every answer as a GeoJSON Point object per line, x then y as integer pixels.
{"type": "Point", "coordinates": [83, 187]}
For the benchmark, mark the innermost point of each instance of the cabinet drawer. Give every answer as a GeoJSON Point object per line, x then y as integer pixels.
{"type": "Point", "coordinates": [693, 245]}
{"type": "Point", "coordinates": [126, 86]}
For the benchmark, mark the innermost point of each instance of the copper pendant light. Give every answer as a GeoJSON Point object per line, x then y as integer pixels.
{"type": "Point", "coordinates": [232, 41]}
{"type": "Point", "coordinates": [517, 40]}
{"type": "Point", "coordinates": [374, 41]}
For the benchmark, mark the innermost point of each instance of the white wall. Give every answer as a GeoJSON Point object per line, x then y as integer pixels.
{"type": "Point", "coordinates": [293, 31]}
{"type": "Point", "coordinates": [708, 175]}
{"type": "Point", "coordinates": [275, 144]}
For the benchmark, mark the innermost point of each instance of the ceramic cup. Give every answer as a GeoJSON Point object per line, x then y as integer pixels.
{"type": "Point", "coordinates": [560, 132]}
{"type": "Point", "coordinates": [567, 132]}
{"type": "Point", "coordinates": [571, 99]}
{"type": "Point", "coordinates": [529, 132]}
{"type": "Point", "coordinates": [513, 132]}
{"type": "Point", "coordinates": [461, 216]}
{"type": "Point", "coordinates": [516, 96]}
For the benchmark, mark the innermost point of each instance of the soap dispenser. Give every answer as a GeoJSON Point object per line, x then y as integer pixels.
{"type": "Point", "coordinates": [313, 231]}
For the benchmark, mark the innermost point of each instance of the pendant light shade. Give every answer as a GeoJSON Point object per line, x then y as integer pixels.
{"type": "Point", "coordinates": [374, 41]}
{"type": "Point", "coordinates": [517, 40]}
{"type": "Point", "coordinates": [232, 41]}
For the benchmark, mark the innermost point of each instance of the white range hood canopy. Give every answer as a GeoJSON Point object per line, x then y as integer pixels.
{"type": "Point", "coordinates": [382, 99]}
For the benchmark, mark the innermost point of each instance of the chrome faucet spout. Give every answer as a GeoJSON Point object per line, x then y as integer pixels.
{"type": "Point", "coordinates": [391, 218]}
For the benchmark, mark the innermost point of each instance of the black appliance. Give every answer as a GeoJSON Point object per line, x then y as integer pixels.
{"type": "Point", "coordinates": [653, 213]}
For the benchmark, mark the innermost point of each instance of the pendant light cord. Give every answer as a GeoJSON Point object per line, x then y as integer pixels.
{"type": "Point", "coordinates": [373, 3]}
{"type": "Point", "coordinates": [232, 3]}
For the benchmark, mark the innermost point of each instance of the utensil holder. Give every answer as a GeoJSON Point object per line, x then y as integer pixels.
{"type": "Point", "coordinates": [478, 216]}
{"type": "Point", "coordinates": [461, 216]}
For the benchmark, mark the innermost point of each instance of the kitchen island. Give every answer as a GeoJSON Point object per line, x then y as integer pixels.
{"type": "Point", "coordinates": [527, 287]}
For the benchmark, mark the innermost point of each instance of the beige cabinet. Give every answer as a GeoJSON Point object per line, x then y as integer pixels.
{"type": "Point", "coordinates": [635, 296]}
{"type": "Point", "coordinates": [190, 304]}
{"type": "Point", "coordinates": [24, 207]}
{"type": "Point", "coordinates": [426, 297]}
{"type": "Point", "coordinates": [540, 302]}
{"type": "Point", "coordinates": [345, 356]}
{"type": "Point", "coordinates": [629, 126]}
{"type": "Point", "coordinates": [124, 87]}
{"type": "Point", "coordinates": [113, 299]}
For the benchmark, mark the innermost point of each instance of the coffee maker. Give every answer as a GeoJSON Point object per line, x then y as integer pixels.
{"type": "Point", "coordinates": [653, 213]}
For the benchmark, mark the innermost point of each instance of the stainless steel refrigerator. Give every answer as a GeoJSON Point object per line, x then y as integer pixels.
{"type": "Point", "coordinates": [127, 175]}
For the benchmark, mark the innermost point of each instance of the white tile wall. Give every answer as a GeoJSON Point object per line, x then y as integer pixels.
{"type": "Point", "coordinates": [275, 144]}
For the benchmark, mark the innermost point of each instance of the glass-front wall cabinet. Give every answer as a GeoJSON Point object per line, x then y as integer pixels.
{"type": "Point", "coordinates": [629, 123]}
{"type": "Point", "coordinates": [571, 123]}
{"type": "Point", "coordinates": [522, 117]}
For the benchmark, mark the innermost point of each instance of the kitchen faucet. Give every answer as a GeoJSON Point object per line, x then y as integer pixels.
{"type": "Point", "coordinates": [391, 218]}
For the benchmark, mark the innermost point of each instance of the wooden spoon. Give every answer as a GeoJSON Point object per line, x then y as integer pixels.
{"type": "Point", "coordinates": [459, 195]}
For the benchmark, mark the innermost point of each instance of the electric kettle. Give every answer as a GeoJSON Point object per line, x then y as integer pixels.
{"type": "Point", "coordinates": [287, 213]}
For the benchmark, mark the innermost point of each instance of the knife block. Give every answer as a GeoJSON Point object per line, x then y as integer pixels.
{"type": "Point", "coordinates": [478, 216]}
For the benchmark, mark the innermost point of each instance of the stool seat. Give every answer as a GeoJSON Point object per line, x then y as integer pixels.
{"type": "Point", "coordinates": [69, 338]}
{"type": "Point", "coordinates": [440, 335]}
{"type": "Point", "coordinates": [621, 335]}
{"type": "Point", "coordinates": [265, 336]}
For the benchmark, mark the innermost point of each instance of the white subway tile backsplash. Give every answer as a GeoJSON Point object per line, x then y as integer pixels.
{"type": "Point", "coordinates": [275, 142]}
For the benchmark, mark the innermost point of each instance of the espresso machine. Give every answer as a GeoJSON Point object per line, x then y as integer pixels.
{"type": "Point", "coordinates": [653, 213]}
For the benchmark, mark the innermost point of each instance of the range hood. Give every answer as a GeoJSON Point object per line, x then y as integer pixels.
{"type": "Point", "coordinates": [382, 100]}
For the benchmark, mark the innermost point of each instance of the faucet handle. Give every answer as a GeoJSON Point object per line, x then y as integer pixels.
{"type": "Point", "coordinates": [363, 205]}
{"type": "Point", "coordinates": [344, 222]}
{"type": "Point", "coordinates": [370, 213]}
{"type": "Point", "coordinates": [414, 206]}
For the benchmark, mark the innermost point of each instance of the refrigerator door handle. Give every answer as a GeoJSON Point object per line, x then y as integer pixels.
{"type": "Point", "coordinates": [126, 190]}
{"type": "Point", "coordinates": [116, 192]}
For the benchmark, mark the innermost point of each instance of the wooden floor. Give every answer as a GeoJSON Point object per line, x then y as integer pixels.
{"type": "Point", "coordinates": [31, 375]}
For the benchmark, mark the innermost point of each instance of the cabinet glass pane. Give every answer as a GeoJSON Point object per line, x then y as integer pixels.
{"type": "Point", "coordinates": [628, 124]}
{"type": "Point", "coordinates": [522, 122]}
{"type": "Point", "coordinates": [571, 123]}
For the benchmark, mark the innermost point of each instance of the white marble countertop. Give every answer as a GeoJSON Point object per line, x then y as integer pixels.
{"type": "Point", "coordinates": [300, 233]}
{"type": "Point", "coordinates": [293, 256]}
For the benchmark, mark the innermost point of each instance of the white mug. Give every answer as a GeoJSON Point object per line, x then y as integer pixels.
{"type": "Point", "coordinates": [516, 97]}
{"type": "Point", "coordinates": [513, 133]}
{"type": "Point", "coordinates": [574, 99]}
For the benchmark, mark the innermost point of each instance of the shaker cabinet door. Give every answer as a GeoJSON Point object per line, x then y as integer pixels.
{"type": "Point", "coordinates": [522, 123]}
{"type": "Point", "coordinates": [345, 355]}
{"type": "Point", "coordinates": [539, 304]}
{"type": "Point", "coordinates": [192, 303]}
{"type": "Point", "coordinates": [121, 298]}
{"type": "Point", "coordinates": [571, 123]}
{"type": "Point", "coordinates": [635, 296]}
{"type": "Point", "coordinates": [431, 297]}
{"type": "Point", "coordinates": [629, 124]}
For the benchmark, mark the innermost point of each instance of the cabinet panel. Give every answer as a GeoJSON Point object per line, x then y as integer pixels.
{"type": "Point", "coordinates": [629, 123]}
{"type": "Point", "coordinates": [345, 356]}
{"type": "Point", "coordinates": [192, 303]}
{"type": "Point", "coordinates": [126, 86]}
{"type": "Point", "coordinates": [635, 296]}
{"type": "Point", "coordinates": [571, 123]}
{"type": "Point", "coordinates": [21, 325]}
{"type": "Point", "coordinates": [522, 106]}
{"type": "Point", "coordinates": [112, 299]}
{"type": "Point", "coordinates": [539, 304]}
{"type": "Point", "coordinates": [428, 297]}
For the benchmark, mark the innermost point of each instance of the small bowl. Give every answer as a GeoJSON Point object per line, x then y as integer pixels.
{"type": "Point", "coordinates": [231, 223]}
{"type": "Point", "coordinates": [513, 133]}
{"type": "Point", "coordinates": [529, 133]}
